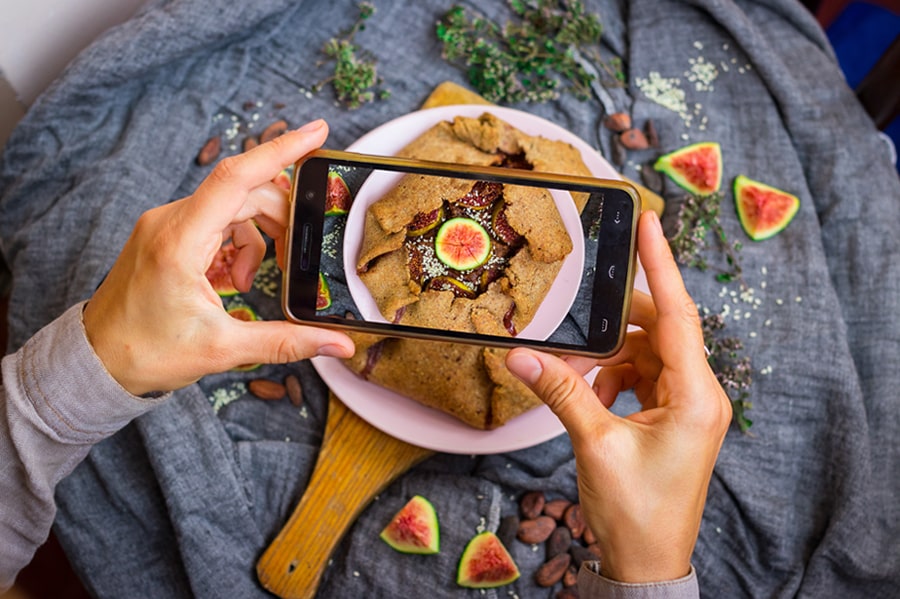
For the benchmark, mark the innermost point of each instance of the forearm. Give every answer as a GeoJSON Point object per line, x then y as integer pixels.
{"type": "Point", "coordinates": [56, 402]}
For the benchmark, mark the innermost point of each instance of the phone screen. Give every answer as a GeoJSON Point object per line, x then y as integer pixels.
{"type": "Point", "coordinates": [495, 256]}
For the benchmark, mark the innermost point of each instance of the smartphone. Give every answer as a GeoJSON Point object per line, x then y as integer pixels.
{"type": "Point", "coordinates": [493, 256]}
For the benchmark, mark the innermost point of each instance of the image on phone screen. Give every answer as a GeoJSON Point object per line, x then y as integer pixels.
{"type": "Point", "coordinates": [476, 255]}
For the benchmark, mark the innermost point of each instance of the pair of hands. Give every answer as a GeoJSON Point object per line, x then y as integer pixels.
{"type": "Point", "coordinates": [157, 325]}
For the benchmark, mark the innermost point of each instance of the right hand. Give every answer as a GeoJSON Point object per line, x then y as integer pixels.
{"type": "Point", "coordinates": [643, 478]}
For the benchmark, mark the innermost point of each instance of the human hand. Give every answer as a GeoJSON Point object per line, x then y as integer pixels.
{"type": "Point", "coordinates": [642, 479]}
{"type": "Point", "coordinates": [157, 324]}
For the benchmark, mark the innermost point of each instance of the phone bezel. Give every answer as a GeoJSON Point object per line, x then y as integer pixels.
{"type": "Point", "coordinates": [300, 276]}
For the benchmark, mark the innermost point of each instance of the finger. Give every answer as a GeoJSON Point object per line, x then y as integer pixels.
{"type": "Point", "coordinates": [680, 339]}
{"type": "Point", "coordinates": [643, 310]}
{"type": "Point", "coordinates": [559, 386]}
{"type": "Point", "coordinates": [612, 380]}
{"type": "Point", "coordinates": [222, 195]}
{"type": "Point", "coordinates": [251, 250]}
{"type": "Point", "coordinates": [637, 351]}
{"type": "Point", "coordinates": [280, 342]}
{"type": "Point", "coordinates": [581, 364]}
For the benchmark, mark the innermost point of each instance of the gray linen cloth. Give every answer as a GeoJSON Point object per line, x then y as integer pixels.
{"type": "Point", "coordinates": [182, 502]}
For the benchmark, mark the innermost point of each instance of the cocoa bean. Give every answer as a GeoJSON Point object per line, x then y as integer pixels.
{"type": "Point", "coordinates": [574, 520]}
{"type": "Point", "coordinates": [556, 508]}
{"type": "Point", "coordinates": [634, 139]}
{"type": "Point", "coordinates": [652, 135]}
{"type": "Point", "coordinates": [617, 121]}
{"type": "Point", "coordinates": [595, 550]}
{"type": "Point", "coordinates": [266, 389]}
{"type": "Point", "coordinates": [532, 504]}
{"type": "Point", "coordinates": [559, 541]}
{"type": "Point", "coordinates": [272, 131]}
{"type": "Point", "coordinates": [250, 143]}
{"type": "Point", "coordinates": [570, 578]}
{"type": "Point", "coordinates": [294, 389]}
{"type": "Point", "coordinates": [568, 593]}
{"type": "Point", "coordinates": [580, 555]}
{"type": "Point", "coordinates": [553, 570]}
{"type": "Point", "coordinates": [508, 529]}
{"type": "Point", "coordinates": [652, 178]}
{"type": "Point", "coordinates": [618, 153]}
{"type": "Point", "coordinates": [210, 151]}
{"type": "Point", "coordinates": [537, 530]}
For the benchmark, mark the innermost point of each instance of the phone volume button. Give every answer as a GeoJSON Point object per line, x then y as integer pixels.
{"type": "Point", "coordinates": [305, 245]}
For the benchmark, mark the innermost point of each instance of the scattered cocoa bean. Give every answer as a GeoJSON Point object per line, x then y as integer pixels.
{"type": "Point", "coordinates": [617, 121]}
{"type": "Point", "coordinates": [570, 578]}
{"type": "Point", "coordinates": [272, 131]}
{"type": "Point", "coordinates": [555, 508]}
{"type": "Point", "coordinates": [652, 135]}
{"type": "Point", "coordinates": [266, 389]}
{"type": "Point", "coordinates": [294, 389]}
{"type": "Point", "coordinates": [278, 105]}
{"type": "Point", "coordinates": [574, 520]}
{"type": "Point", "coordinates": [588, 537]}
{"type": "Point", "coordinates": [580, 555]}
{"type": "Point", "coordinates": [568, 593]}
{"type": "Point", "coordinates": [508, 529]}
{"type": "Point", "coordinates": [553, 570]}
{"type": "Point", "coordinates": [532, 504]}
{"type": "Point", "coordinates": [618, 153]}
{"type": "Point", "coordinates": [250, 143]}
{"type": "Point", "coordinates": [249, 105]}
{"type": "Point", "coordinates": [652, 178]}
{"type": "Point", "coordinates": [349, 315]}
{"type": "Point", "coordinates": [537, 530]}
{"type": "Point", "coordinates": [559, 541]}
{"type": "Point", "coordinates": [634, 139]}
{"type": "Point", "coordinates": [594, 549]}
{"type": "Point", "coordinates": [210, 151]}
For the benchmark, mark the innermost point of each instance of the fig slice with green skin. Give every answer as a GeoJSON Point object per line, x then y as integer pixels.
{"type": "Point", "coordinates": [219, 272]}
{"type": "Point", "coordinates": [424, 222]}
{"type": "Point", "coordinates": [462, 244]}
{"type": "Point", "coordinates": [697, 167]}
{"type": "Point", "coordinates": [764, 211]}
{"type": "Point", "coordinates": [414, 529]}
{"type": "Point", "coordinates": [486, 564]}
{"type": "Point", "coordinates": [323, 294]}
{"type": "Point", "coordinates": [458, 288]}
{"type": "Point", "coordinates": [337, 195]}
{"type": "Point", "coordinates": [501, 227]}
{"type": "Point", "coordinates": [482, 195]}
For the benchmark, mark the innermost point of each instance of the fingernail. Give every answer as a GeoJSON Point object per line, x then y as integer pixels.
{"type": "Point", "coordinates": [525, 366]}
{"type": "Point", "coordinates": [332, 351]}
{"type": "Point", "coordinates": [312, 126]}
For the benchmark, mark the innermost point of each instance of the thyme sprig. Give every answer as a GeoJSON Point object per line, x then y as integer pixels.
{"type": "Point", "coordinates": [531, 60]}
{"type": "Point", "coordinates": [698, 216]}
{"type": "Point", "coordinates": [733, 371]}
{"type": "Point", "coordinates": [355, 73]}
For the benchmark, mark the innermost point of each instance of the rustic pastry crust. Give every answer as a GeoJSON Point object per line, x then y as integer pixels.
{"type": "Point", "coordinates": [468, 382]}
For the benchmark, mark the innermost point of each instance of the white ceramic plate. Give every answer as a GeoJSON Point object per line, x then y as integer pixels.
{"type": "Point", "coordinates": [549, 314]}
{"type": "Point", "coordinates": [409, 420]}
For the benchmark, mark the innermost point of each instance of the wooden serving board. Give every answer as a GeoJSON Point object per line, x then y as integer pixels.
{"type": "Point", "coordinates": [355, 463]}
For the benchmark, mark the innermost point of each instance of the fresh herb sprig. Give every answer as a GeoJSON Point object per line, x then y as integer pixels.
{"type": "Point", "coordinates": [355, 73]}
{"type": "Point", "coordinates": [531, 60]}
{"type": "Point", "coordinates": [698, 216]}
{"type": "Point", "coordinates": [733, 371]}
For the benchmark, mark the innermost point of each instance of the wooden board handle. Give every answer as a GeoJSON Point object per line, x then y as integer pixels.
{"type": "Point", "coordinates": [355, 463]}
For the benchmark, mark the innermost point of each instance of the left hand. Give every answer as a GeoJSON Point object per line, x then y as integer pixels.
{"type": "Point", "coordinates": [157, 324]}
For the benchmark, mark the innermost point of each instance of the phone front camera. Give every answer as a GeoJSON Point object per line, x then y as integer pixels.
{"type": "Point", "coordinates": [310, 195]}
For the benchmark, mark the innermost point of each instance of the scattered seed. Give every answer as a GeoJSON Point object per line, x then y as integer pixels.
{"type": "Point", "coordinates": [294, 389]}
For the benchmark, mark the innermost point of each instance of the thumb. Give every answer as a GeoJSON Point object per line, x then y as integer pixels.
{"type": "Point", "coordinates": [559, 386]}
{"type": "Point", "coordinates": [280, 342]}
